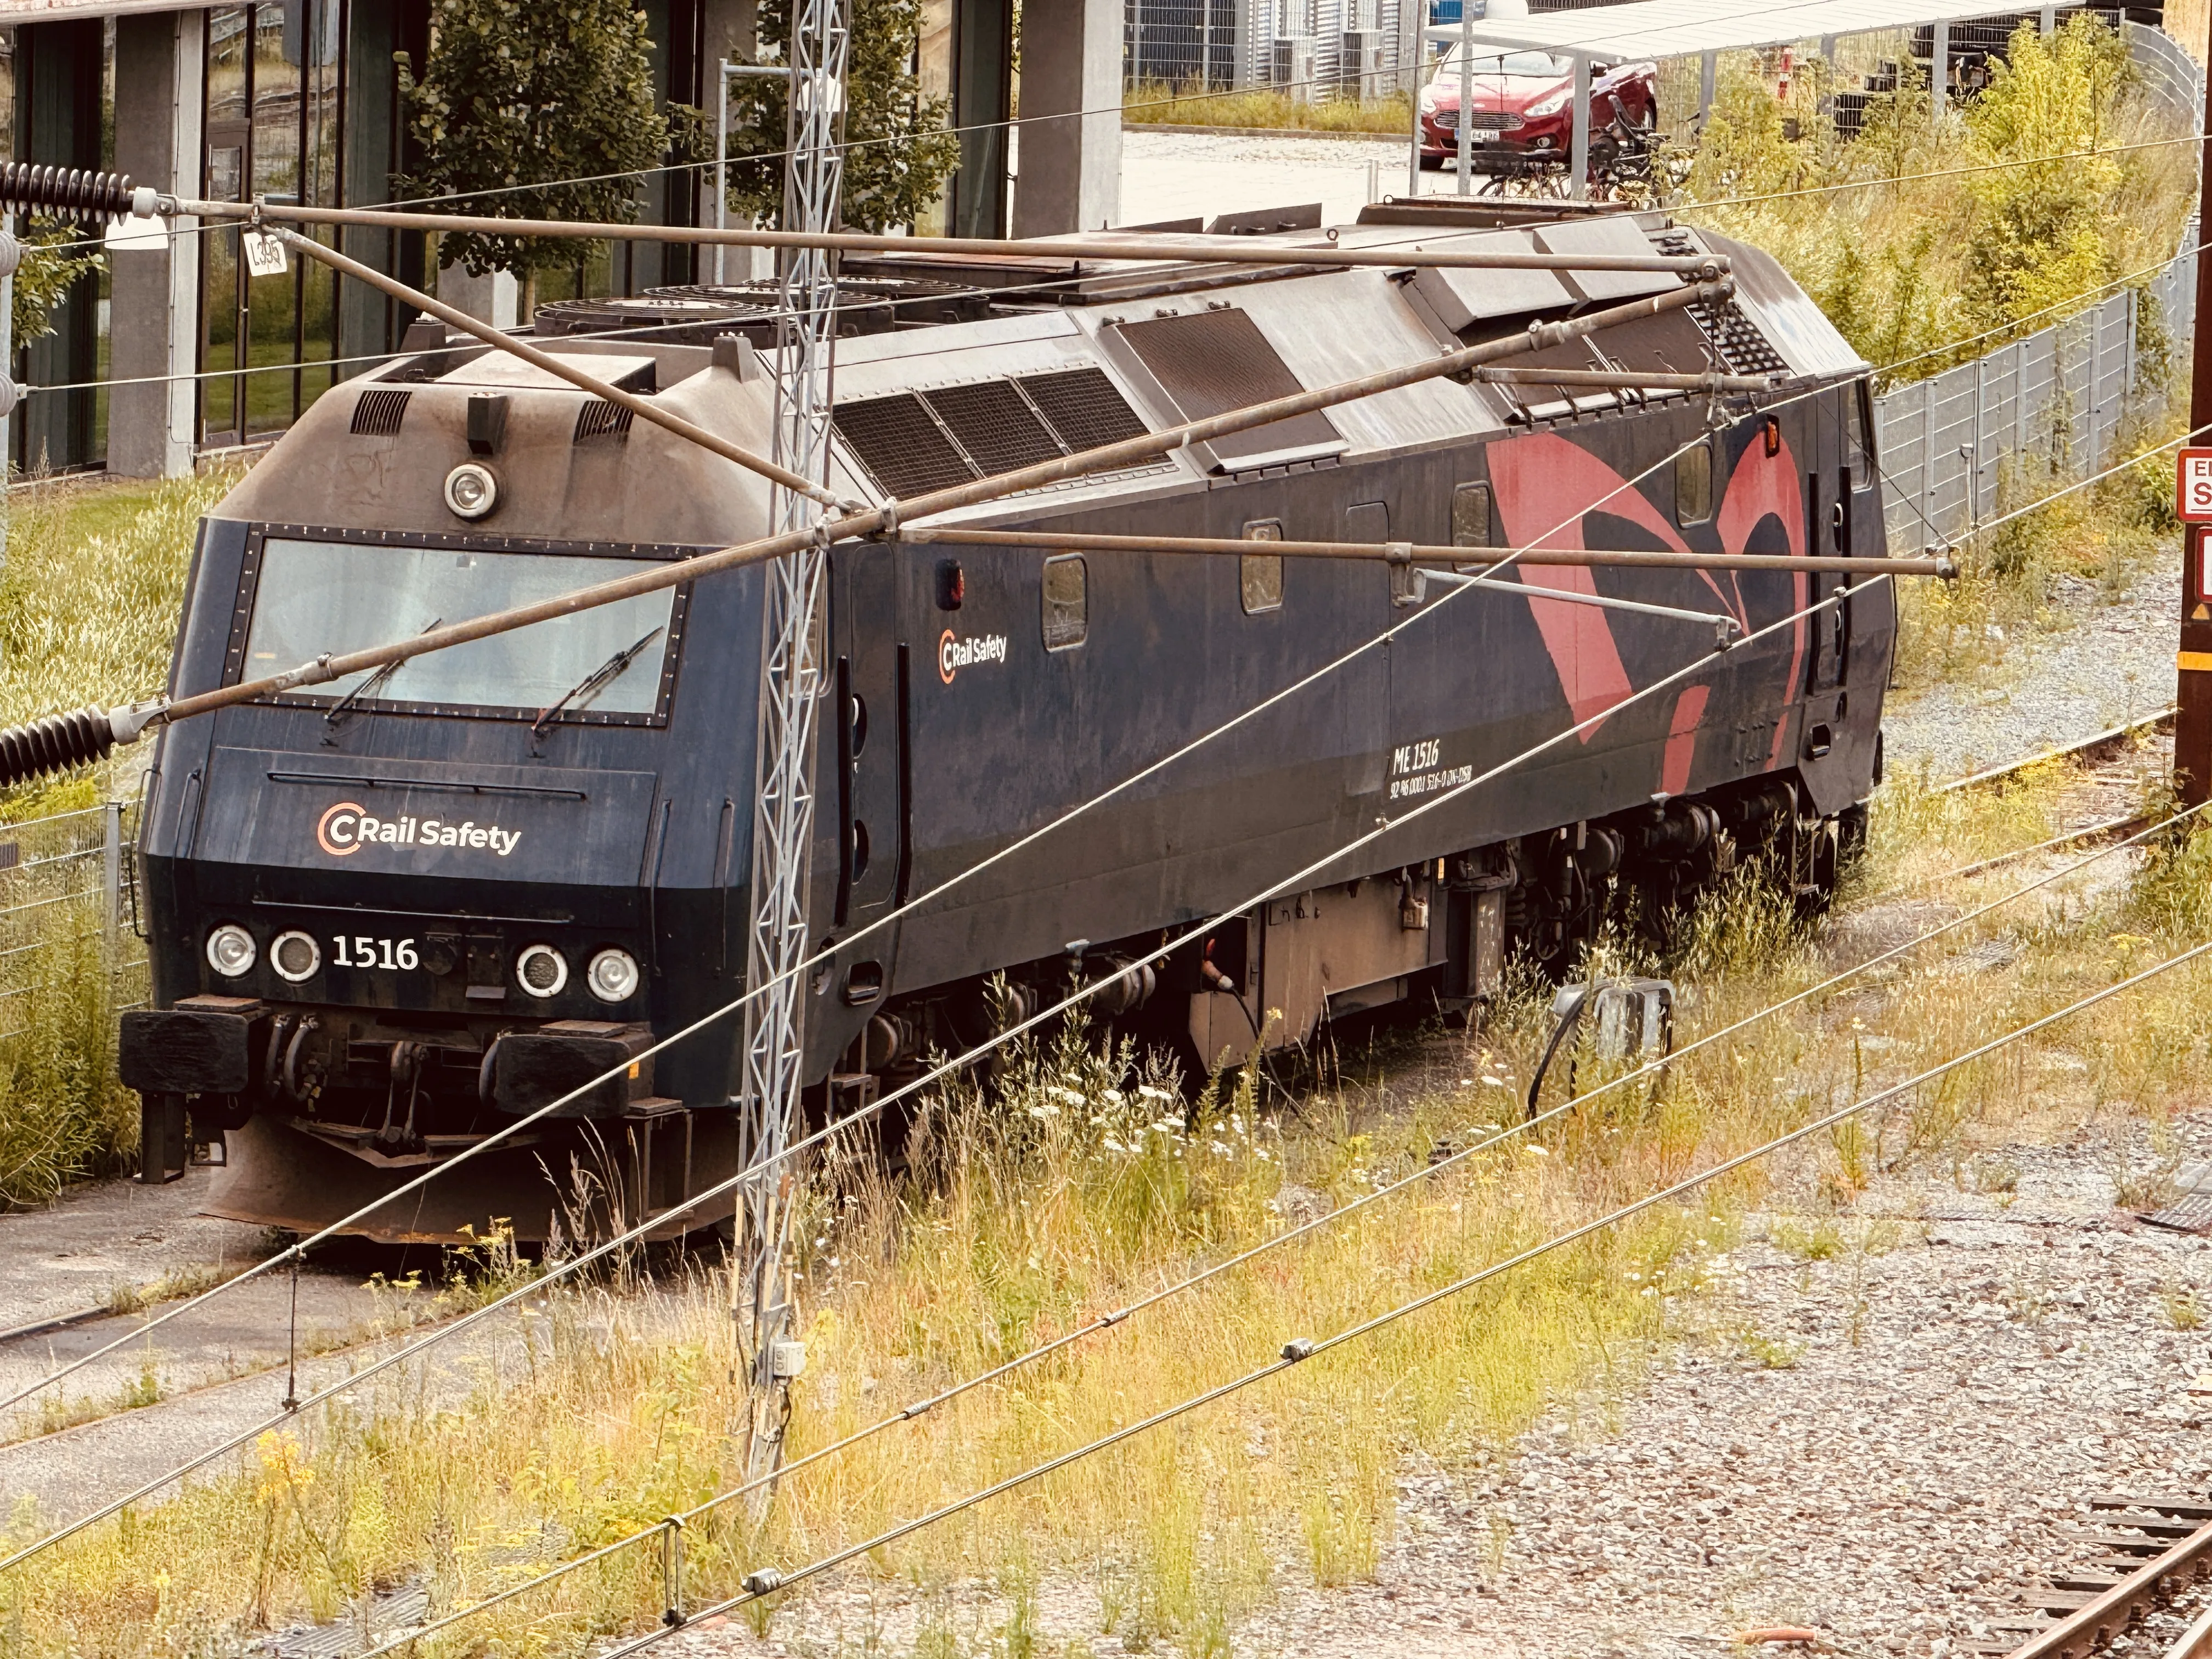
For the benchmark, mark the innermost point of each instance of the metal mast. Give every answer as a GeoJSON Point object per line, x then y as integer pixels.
{"type": "Point", "coordinates": [791, 634]}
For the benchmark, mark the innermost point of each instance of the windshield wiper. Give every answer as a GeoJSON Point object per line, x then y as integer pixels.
{"type": "Point", "coordinates": [345, 705]}
{"type": "Point", "coordinates": [593, 682]}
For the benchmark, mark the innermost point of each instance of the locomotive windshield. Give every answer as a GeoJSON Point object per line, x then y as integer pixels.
{"type": "Point", "coordinates": [312, 597]}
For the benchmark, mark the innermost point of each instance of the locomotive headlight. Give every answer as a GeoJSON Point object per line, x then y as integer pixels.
{"type": "Point", "coordinates": [294, 956]}
{"type": "Point", "coordinates": [541, 970]}
{"type": "Point", "coordinates": [471, 489]}
{"type": "Point", "coordinates": [613, 975]}
{"type": "Point", "coordinates": [230, 950]}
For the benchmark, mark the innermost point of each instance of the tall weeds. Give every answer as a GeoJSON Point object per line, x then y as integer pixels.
{"type": "Point", "coordinates": [88, 603]}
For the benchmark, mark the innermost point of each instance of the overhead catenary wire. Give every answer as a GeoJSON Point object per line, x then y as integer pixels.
{"type": "Point", "coordinates": [1050, 285]}
{"type": "Point", "coordinates": [1018, 845]}
{"type": "Point", "coordinates": [762, 1169]}
{"type": "Point", "coordinates": [1840, 595]}
{"type": "Point", "coordinates": [767, 1582]}
{"type": "Point", "coordinates": [1021, 843]}
{"type": "Point", "coordinates": [1105, 1322]}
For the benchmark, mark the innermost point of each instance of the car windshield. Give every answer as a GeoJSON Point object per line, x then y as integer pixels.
{"type": "Point", "coordinates": [1540, 64]}
{"type": "Point", "coordinates": [315, 596]}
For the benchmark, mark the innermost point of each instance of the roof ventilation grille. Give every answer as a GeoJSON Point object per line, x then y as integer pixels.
{"type": "Point", "coordinates": [599, 418]}
{"type": "Point", "coordinates": [914, 442]}
{"type": "Point", "coordinates": [380, 411]}
{"type": "Point", "coordinates": [1743, 350]}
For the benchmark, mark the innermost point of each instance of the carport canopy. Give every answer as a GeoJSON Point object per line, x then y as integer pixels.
{"type": "Point", "coordinates": [1697, 28]}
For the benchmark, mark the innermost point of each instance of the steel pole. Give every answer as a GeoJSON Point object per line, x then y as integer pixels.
{"type": "Point", "coordinates": [722, 160]}
{"type": "Point", "coordinates": [2192, 724]}
{"type": "Point", "coordinates": [1465, 131]}
{"type": "Point", "coordinates": [1578, 162]}
{"type": "Point", "coordinates": [791, 683]}
{"type": "Point", "coordinates": [1413, 95]}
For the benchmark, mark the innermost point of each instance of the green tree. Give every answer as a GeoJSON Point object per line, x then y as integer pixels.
{"type": "Point", "coordinates": [56, 256]}
{"type": "Point", "coordinates": [2042, 231]}
{"type": "Point", "coordinates": [897, 153]}
{"type": "Point", "coordinates": [525, 93]}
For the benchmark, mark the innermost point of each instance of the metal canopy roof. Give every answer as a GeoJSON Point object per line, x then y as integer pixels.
{"type": "Point", "coordinates": [1677, 29]}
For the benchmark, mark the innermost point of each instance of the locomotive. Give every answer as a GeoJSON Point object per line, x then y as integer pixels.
{"type": "Point", "coordinates": [391, 914]}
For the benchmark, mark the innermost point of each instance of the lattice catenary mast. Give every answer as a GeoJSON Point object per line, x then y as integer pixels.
{"type": "Point", "coordinates": [791, 680]}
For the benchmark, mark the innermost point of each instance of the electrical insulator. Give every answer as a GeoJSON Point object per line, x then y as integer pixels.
{"type": "Point", "coordinates": [72, 193]}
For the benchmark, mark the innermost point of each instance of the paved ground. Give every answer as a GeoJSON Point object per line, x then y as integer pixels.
{"type": "Point", "coordinates": [1173, 175]}
{"type": "Point", "coordinates": [190, 1384]}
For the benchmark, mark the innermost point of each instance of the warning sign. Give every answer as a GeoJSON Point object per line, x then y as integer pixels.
{"type": "Point", "coordinates": [2193, 486]}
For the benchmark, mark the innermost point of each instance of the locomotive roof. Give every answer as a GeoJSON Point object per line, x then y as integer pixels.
{"type": "Point", "coordinates": [1036, 356]}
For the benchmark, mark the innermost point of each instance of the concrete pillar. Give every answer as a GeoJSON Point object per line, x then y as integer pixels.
{"type": "Point", "coordinates": [1708, 77]}
{"type": "Point", "coordinates": [1070, 164]}
{"type": "Point", "coordinates": [154, 319]}
{"type": "Point", "coordinates": [495, 297]}
{"type": "Point", "coordinates": [2050, 20]}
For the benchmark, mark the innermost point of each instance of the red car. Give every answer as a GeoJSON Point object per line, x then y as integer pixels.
{"type": "Point", "coordinates": [1523, 107]}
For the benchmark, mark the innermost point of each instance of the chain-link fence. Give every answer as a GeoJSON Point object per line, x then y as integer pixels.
{"type": "Point", "coordinates": [68, 906]}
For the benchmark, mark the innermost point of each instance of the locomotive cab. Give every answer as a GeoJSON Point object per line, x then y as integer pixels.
{"type": "Point", "coordinates": [394, 911]}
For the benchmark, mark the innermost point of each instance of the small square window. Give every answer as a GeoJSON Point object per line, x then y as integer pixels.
{"type": "Point", "coordinates": [1067, 602]}
{"type": "Point", "coordinates": [1693, 484]}
{"type": "Point", "coordinates": [1260, 575]}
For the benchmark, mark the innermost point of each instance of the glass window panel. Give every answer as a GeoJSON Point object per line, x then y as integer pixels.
{"type": "Point", "coordinates": [1260, 575]}
{"type": "Point", "coordinates": [1067, 602]}
{"type": "Point", "coordinates": [316, 597]}
{"type": "Point", "coordinates": [1858, 452]}
{"type": "Point", "coordinates": [1693, 484]}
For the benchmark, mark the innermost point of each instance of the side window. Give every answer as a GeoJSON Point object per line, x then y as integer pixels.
{"type": "Point", "coordinates": [1067, 602]}
{"type": "Point", "coordinates": [1858, 451]}
{"type": "Point", "coordinates": [1470, 516]}
{"type": "Point", "coordinates": [1260, 575]}
{"type": "Point", "coordinates": [1470, 520]}
{"type": "Point", "coordinates": [1693, 484]}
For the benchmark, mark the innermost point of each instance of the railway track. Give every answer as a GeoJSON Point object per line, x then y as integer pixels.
{"type": "Point", "coordinates": [2137, 1553]}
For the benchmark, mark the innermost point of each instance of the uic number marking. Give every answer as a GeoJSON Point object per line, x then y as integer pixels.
{"type": "Point", "coordinates": [367, 953]}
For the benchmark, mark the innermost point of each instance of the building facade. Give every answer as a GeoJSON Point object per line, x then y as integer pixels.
{"type": "Point", "coordinates": [175, 349]}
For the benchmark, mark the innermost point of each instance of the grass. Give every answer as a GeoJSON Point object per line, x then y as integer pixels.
{"type": "Point", "coordinates": [88, 602]}
{"type": "Point", "coordinates": [1159, 102]}
{"type": "Point", "coordinates": [1080, 1188]}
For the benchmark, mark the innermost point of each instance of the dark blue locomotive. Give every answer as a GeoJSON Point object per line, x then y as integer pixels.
{"type": "Point", "coordinates": [391, 914]}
